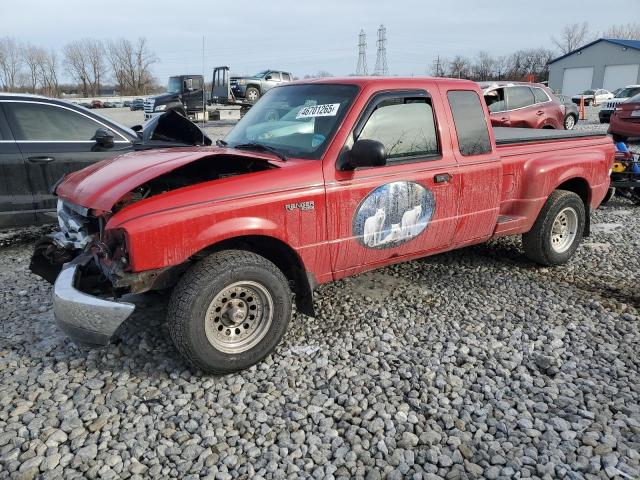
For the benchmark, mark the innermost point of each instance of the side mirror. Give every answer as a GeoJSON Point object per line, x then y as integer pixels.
{"type": "Point", "coordinates": [366, 153]}
{"type": "Point", "coordinates": [268, 77]}
{"type": "Point", "coordinates": [103, 138]}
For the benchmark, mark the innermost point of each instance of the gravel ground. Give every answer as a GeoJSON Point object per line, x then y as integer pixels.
{"type": "Point", "coordinates": [471, 364]}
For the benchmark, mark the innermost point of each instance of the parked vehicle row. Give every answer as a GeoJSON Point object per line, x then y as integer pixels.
{"type": "Point", "coordinates": [620, 96]}
{"type": "Point", "coordinates": [353, 174]}
{"type": "Point", "coordinates": [592, 96]}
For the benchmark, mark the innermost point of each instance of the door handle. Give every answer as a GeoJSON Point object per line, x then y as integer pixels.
{"type": "Point", "coordinates": [42, 159]}
{"type": "Point", "coordinates": [442, 177]}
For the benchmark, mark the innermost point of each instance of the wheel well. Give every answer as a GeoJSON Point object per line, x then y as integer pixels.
{"type": "Point", "coordinates": [580, 187]}
{"type": "Point", "coordinates": [283, 256]}
{"type": "Point", "coordinates": [257, 87]}
{"type": "Point", "coordinates": [548, 127]}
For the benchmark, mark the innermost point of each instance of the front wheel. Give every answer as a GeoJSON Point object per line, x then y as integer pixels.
{"type": "Point", "coordinates": [252, 94]}
{"type": "Point", "coordinates": [557, 231]}
{"type": "Point", "coordinates": [229, 311]}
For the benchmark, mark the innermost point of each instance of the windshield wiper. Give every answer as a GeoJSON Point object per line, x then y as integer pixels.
{"type": "Point", "coordinates": [221, 143]}
{"type": "Point", "coordinates": [263, 148]}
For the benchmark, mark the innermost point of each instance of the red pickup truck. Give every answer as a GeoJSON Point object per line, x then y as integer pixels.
{"type": "Point", "coordinates": [320, 180]}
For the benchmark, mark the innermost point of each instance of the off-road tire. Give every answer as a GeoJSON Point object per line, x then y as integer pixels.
{"type": "Point", "coordinates": [197, 289]}
{"type": "Point", "coordinates": [247, 95]}
{"type": "Point", "coordinates": [537, 242]}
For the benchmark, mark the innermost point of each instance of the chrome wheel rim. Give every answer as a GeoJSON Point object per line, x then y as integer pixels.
{"type": "Point", "coordinates": [252, 95]}
{"type": "Point", "coordinates": [239, 317]}
{"type": "Point", "coordinates": [569, 123]}
{"type": "Point", "coordinates": [564, 230]}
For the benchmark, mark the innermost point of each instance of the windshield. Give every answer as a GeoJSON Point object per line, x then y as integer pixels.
{"type": "Point", "coordinates": [588, 92]}
{"type": "Point", "coordinates": [628, 92]}
{"type": "Point", "coordinates": [261, 74]}
{"type": "Point", "coordinates": [175, 85]}
{"type": "Point", "coordinates": [297, 120]}
{"type": "Point", "coordinates": [634, 99]}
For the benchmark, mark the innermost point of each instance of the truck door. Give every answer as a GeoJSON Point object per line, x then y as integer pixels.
{"type": "Point", "coordinates": [271, 79]}
{"type": "Point", "coordinates": [192, 97]}
{"type": "Point", "coordinates": [480, 168]}
{"type": "Point", "coordinates": [404, 208]}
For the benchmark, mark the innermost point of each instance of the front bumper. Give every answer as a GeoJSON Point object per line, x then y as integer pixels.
{"type": "Point", "coordinates": [86, 319]}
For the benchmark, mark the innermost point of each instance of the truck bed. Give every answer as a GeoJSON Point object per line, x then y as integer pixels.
{"type": "Point", "coordinates": [510, 136]}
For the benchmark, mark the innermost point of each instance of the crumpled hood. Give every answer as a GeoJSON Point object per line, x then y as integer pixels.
{"type": "Point", "coordinates": [173, 128]}
{"type": "Point", "coordinates": [101, 185]}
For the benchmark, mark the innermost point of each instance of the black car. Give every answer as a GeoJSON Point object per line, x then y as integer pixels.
{"type": "Point", "coordinates": [136, 104]}
{"type": "Point", "coordinates": [42, 139]}
{"type": "Point", "coordinates": [570, 112]}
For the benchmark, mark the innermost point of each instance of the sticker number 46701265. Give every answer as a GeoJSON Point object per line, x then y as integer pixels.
{"type": "Point", "coordinates": [326, 110]}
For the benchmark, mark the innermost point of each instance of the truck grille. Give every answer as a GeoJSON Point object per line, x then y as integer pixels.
{"type": "Point", "coordinates": [609, 105]}
{"type": "Point", "coordinates": [149, 104]}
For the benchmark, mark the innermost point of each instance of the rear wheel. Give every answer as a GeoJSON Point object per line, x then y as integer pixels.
{"type": "Point", "coordinates": [569, 122]}
{"type": "Point", "coordinates": [229, 311]}
{"type": "Point", "coordinates": [557, 231]}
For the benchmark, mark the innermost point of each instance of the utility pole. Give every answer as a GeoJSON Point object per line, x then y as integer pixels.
{"type": "Point", "coordinates": [381, 59]}
{"type": "Point", "coordinates": [362, 54]}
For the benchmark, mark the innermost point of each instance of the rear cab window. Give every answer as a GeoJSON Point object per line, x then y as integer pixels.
{"type": "Point", "coordinates": [470, 122]}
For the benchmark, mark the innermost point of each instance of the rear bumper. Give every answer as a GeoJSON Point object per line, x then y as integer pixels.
{"type": "Point", "coordinates": [86, 319]}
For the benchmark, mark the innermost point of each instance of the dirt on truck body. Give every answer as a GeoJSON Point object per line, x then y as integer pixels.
{"type": "Point", "coordinates": [320, 180]}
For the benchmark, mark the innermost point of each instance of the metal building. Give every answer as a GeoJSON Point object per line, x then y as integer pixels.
{"type": "Point", "coordinates": [606, 63]}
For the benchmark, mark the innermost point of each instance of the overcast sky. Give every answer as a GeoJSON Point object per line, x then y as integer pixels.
{"type": "Point", "coordinates": [307, 36]}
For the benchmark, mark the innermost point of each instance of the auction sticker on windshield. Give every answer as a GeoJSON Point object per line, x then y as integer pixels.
{"type": "Point", "coordinates": [327, 110]}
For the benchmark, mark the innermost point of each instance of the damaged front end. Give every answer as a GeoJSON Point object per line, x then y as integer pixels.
{"type": "Point", "coordinates": [89, 269]}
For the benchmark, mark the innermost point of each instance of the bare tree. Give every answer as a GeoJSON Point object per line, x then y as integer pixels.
{"type": "Point", "coordinates": [77, 65]}
{"type": "Point", "coordinates": [483, 67]}
{"type": "Point", "coordinates": [48, 74]}
{"type": "Point", "coordinates": [626, 31]}
{"type": "Point", "coordinates": [33, 59]}
{"type": "Point", "coordinates": [459, 67]}
{"type": "Point", "coordinates": [131, 65]}
{"type": "Point", "coordinates": [96, 53]}
{"type": "Point", "coordinates": [10, 63]}
{"type": "Point", "coordinates": [572, 37]}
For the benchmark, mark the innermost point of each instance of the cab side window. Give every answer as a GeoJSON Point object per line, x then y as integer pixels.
{"type": "Point", "coordinates": [43, 122]}
{"type": "Point", "coordinates": [275, 76]}
{"type": "Point", "coordinates": [405, 126]}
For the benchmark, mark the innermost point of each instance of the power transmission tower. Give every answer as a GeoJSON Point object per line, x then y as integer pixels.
{"type": "Point", "coordinates": [381, 59]}
{"type": "Point", "coordinates": [362, 54]}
